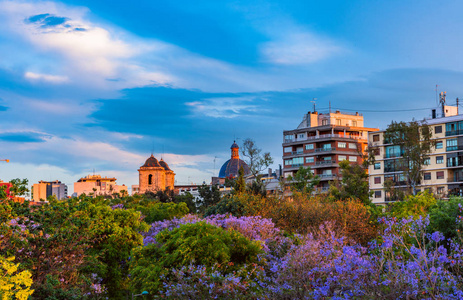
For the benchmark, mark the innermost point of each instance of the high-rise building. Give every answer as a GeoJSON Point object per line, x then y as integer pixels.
{"type": "Point", "coordinates": [45, 189]}
{"type": "Point", "coordinates": [97, 185]}
{"type": "Point", "coordinates": [321, 141]}
{"type": "Point", "coordinates": [442, 172]}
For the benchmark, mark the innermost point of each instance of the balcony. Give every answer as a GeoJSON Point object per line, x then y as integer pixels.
{"type": "Point", "coordinates": [326, 176]}
{"type": "Point", "coordinates": [454, 132]}
{"type": "Point", "coordinates": [454, 148]}
{"type": "Point", "coordinates": [325, 136]}
{"type": "Point", "coordinates": [324, 149]}
{"type": "Point", "coordinates": [325, 162]}
{"type": "Point", "coordinates": [298, 152]}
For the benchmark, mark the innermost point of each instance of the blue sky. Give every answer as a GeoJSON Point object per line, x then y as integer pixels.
{"type": "Point", "coordinates": [99, 85]}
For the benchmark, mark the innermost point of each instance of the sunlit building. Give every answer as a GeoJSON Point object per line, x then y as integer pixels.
{"type": "Point", "coordinates": [97, 185]}
{"type": "Point", "coordinates": [155, 176]}
{"type": "Point", "coordinates": [321, 141]}
{"type": "Point", "coordinates": [45, 189]}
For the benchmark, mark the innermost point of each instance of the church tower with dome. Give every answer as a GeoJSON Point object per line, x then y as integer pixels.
{"type": "Point", "coordinates": [231, 167]}
{"type": "Point", "coordinates": [155, 176]}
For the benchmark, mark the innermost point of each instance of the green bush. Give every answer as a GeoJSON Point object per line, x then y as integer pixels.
{"type": "Point", "coordinates": [442, 217]}
{"type": "Point", "coordinates": [190, 244]}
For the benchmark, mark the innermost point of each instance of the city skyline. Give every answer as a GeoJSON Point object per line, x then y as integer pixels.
{"type": "Point", "coordinates": [85, 85]}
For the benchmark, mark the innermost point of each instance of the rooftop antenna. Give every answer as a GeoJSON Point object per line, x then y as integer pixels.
{"type": "Point", "coordinates": [215, 157]}
{"type": "Point", "coordinates": [314, 99]}
{"type": "Point", "coordinates": [442, 96]}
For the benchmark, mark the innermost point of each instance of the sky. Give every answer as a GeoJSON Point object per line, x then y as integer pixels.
{"type": "Point", "coordinates": [97, 86]}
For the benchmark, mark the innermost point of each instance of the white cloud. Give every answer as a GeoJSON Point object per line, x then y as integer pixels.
{"type": "Point", "coordinates": [230, 107]}
{"type": "Point", "coordinates": [46, 77]}
{"type": "Point", "coordinates": [298, 48]}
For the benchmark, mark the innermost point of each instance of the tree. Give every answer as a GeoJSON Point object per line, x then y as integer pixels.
{"type": "Point", "coordinates": [256, 161]}
{"type": "Point", "coordinates": [413, 142]}
{"type": "Point", "coordinates": [14, 284]}
{"type": "Point", "coordinates": [353, 185]}
{"type": "Point", "coordinates": [208, 196]}
{"type": "Point", "coordinates": [304, 180]}
{"type": "Point", "coordinates": [19, 187]}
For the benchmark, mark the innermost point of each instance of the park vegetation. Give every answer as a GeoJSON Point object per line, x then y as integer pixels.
{"type": "Point", "coordinates": [241, 245]}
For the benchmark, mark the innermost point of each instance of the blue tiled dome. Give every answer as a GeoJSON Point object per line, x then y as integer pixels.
{"type": "Point", "coordinates": [231, 167]}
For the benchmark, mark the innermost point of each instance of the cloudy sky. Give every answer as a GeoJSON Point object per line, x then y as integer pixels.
{"type": "Point", "coordinates": [99, 85]}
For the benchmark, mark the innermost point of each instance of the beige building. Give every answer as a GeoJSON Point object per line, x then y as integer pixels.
{"type": "Point", "coordinates": [97, 185]}
{"type": "Point", "coordinates": [155, 176]}
{"type": "Point", "coordinates": [45, 189]}
{"type": "Point", "coordinates": [442, 173]}
{"type": "Point", "coordinates": [321, 141]}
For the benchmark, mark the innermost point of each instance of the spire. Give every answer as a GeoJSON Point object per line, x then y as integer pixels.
{"type": "Point", "coordinates": [235, 151]}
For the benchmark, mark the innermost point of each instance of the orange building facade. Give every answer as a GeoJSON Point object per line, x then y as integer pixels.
{"type": "Point", "coordinates": [155, 176]}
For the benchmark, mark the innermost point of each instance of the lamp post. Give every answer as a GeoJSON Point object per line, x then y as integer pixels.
{"type": "Point", "coordinates": [142, 294]}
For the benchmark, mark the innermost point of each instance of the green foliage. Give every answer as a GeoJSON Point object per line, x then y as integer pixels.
{"type": "Point", "coordinates": [164, 211]}
{"type": "Point", "coordinates": [354, 183]}
{"type": "Point", "coordinates": [198, 244]}
{"type": "Point", "coordinates": [256, 161]}
{"type": "Point", "coordinates": [304, 181]}
{"type": "Point", "coordinates": [188, 199]}
{"type": "Point", "coordinates": [19, 187]}
{"type": "Point", "coordinates": [415, 143]}
{"type": "Point", "coordinates": [415, 206]}
{"type": "Point", "coordinates": [208, 196]}
{"type": "Point", "coordinates": [243, 204]}
{"type": "Point", "coordinates": [239, 185]}
{"type": "Point", "coordinates": [442, 217]}
{"type": "Point", "coordinates": [68, 241]}
{"type": "Point", "coordinates": [14, 284]}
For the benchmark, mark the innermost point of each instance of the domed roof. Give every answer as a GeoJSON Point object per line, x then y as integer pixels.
{"type": "Point", "coordinates": [164, 165]}
{"type": "Point", "coordinates": [151, 162]}
{"type": "Point", "coordinates": [231, 168]}
{"type": "Point", "coordinates": [235, 145]}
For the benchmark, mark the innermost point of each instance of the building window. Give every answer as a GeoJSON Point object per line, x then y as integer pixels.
{"type": "Point", "coordinates": [309, 147]}
{"type": "Point", "coordinates": [440, 175]}
{"type": "Point", "coordinates": [341, 145]}
{"type": "Point", "coordinates": [452, 144]}
{"type": "Point", "coordinates": [438, 129]}
{"type": "Point", "coordinates": [354, 123]}
{"type": "Point", "coordinates": [353, 158]}
{"type": "Point", "coordinates": [289, 137]}
{"type": "Point", "coordinates": [150, 179]}
{"type": "Point", "coordinates": [376, 151]}
{"type": "Point", "coordinates": [377, 180]}
{"type": "Point", "coordinates": [440, 189]}
{"type": "Point", "coordinates": [309, 159]}
{"type": "Point", "coordinates": [377, 194]}
{"type": "Point", "coordinates": [326, 146]}
{"type": "Point", "coordinates": [439, 145]}
{"type": "Point", "coordinates": [375, 137]}
{"type": "Point", "coordinates": [338, 122]}
{"type": "Point", "coordinates": [288, 149]}
{"type": "Point", "coordinates": [342, 157]}
{"type": "Point", "coordinates": [301, 136]}
{"type": "Point", "coordinates": [439, 159]}
{"type": "Point", "coordinates": [324, 122]}
{"type": "Point", "coordinates": [352, 146]}
{"type": "Point", "coordinates": [288, 162]}
{"type": "Point", "coordinates": [327, 158]}
{"type": "Point", "coordinates": [377, 166]}
{"type": "Point", "coordinates": [427, 161]}
{"type": "Point", "coordinates": [427, 176]}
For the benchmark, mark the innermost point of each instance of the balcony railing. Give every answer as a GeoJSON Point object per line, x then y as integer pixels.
{"type": "Point", "coordinates": [324, 149]}
{"type": "Point", "coordinates": [454, 148]}
{"type": "Point", "coordinates": [324, 136]}
{"type": "Point", "coordinates": [454, 132]}
{"type": "Point", "coordinates": [298, 152]}
{"type": "Point", "coordinates": [324, 176]}
{"type": "Point", "coordinates": [325, 162]}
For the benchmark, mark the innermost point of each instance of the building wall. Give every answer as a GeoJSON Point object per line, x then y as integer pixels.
{"type": "Point", "coordinates": [97, 185]}
{"type": "Point", "coordinates": [158, 182]}
{"type": "Point", "coordinates": [44, 189]}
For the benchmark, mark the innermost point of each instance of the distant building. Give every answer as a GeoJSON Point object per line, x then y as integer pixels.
{"type": "Point", "coordinates": [231, 167]}
{"type": "Point", "coordinates": [442, 173]}
{"type": "Point", "coordinates": [97, 185]}
{"type": "Point", "coordinates": [321, 141]}
{"type": "Point", "coordinates": [155, 176]}
{"type": "Point", "coordinates": [44, 189]}
{"type": "Point", "coordinates": [135, 189]}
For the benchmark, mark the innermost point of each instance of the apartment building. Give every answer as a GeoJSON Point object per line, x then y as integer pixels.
{"type": "Point", "coordinates": [44, 189]}
{"type": "Point", "coordinates": [97, 185]}
{"type": "Point", "coordinates": [322, 140]}
{"type": "Point", "coordinates": [443, 171]}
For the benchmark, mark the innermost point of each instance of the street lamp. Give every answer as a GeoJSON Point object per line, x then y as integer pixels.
{"type": "Point", "coordinates": [142, 294]}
